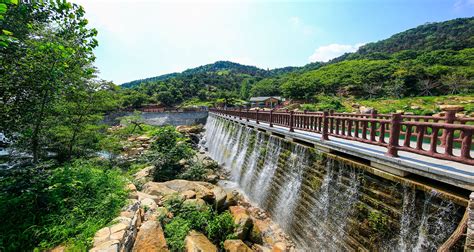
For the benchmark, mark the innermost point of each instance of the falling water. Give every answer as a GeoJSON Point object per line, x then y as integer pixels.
{"type": "Point", "coordinates": [327, 204]}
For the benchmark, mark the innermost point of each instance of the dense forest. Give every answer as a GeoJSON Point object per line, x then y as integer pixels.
{"type": "Point", "coordinates": [432, 59]}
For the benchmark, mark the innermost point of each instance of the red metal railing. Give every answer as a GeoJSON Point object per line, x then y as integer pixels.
{"type": "Point", "coordinates": [448, 137]}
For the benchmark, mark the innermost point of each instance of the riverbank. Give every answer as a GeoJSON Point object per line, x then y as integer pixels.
{"type": "Point", "coordinates": [187, 215]}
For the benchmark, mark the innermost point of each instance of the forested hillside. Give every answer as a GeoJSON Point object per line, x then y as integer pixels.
{"type": "Point", "coordinates": [431, 59]}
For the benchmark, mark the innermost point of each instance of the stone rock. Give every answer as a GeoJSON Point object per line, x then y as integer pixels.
{"type": "Point", "coordinates": [196, 202]}
{"type": "Point", "coordinates": [197, 242]}
{"type": "Point", "coordinates": [101, 236]}
{"type": "Point", "coordinates": [150, 238]}
{"type": "Point", "coordinates": [236, 246]}
{"type": "Point", "coordinates": [415, 107]}
{"type": "Point", "coordinates": [220, 196]}
{"type": "Point", "coordinates": [365, 110]}
{"type": "Point", "coordinates": [143, 138]}
{"type": "Point", "coordinates": [133, 195]}
{"type": "Point", "coordinates": [160, 213]}
{"type": "Point", "coordinates": [456, 108]}
{"type": "Point", "coordinates": [400, 111]}
{"type": "Point", "coordinates": [142, 196]}
{"type": "Point", "coordinates": [203, 190]}
{"type": "Point", "coordinates": [131, 187]}
{"type": "Point", "coordinates": [242, 220]}
{"type": "Point", "coordinates": [127, 214]}
{"type": "Point", "coordinates": [260, 232]}
{"type": "Point", "coordinates": [260, 248]}
{"type": "Point", "coordinates": [231, 199]}
{"type": "Point", "coordinates": [118, 235]}
{"type": "Point", "coordinates": [279, 247]}
{"type": "Point", "coordinates": [158, 189]}
{"type": "Point", "coordinates": [189, 194]}
{"type": "Point", "coordinates": [148, 204]}
{"type": "Point", "coordinates": [212, 178]}
{"type": "Point", "coordinates": [185, 129]}
{"type": "Point", "coordinates": [117, 227]}
{"type": "Point", "coordinates": [182, 162]}
{"type": "Point", "coordinates": [108, 246]}
{"type": "Point", "coordinates": [144, 175]}
{"type": "Point", "coordinates": [125, 220]}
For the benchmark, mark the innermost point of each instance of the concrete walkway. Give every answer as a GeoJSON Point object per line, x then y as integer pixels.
{"type": "Point", "coordinates": [450, 172]}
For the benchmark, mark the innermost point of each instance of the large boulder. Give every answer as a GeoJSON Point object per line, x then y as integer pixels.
{"type": "Point", "coordinates": [142, 196]}
{"type": "Point", "coordinates": [242, 220]}
{"type": "Point", "coordinates": [157, 189]}
{"type": "Point", "coordinates": [203, 190]}
{"type": "Point", "coordinates": [197, 242]}
{"type": "Point", "coordinates": [150, 238]}
{"type": "Point", "coordinates": [260, 248]}
{"type": "Point", "coordinates": [187, 129]}
{"type": "Point", "coordinates": [236, 246]}
{"type": "Point", "coordinates": [220, 196]}
{"type": "Point", "coordinates": [232, 199]}
{"type": "Point", "coordinates": [108, 246]}
{"type": "Point", "coordinates": [260, 232]}
{"type": "Point", "coordinates": [144, 175]}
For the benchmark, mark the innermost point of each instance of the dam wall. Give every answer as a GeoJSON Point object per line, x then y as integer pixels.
{"type": "Point", "coordinates": [328, 202]}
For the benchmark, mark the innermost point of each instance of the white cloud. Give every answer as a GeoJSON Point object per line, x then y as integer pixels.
{"type": "Point", "coordinates": [328, 52]}
{"type": "Point", "coordinates": [461, 4]}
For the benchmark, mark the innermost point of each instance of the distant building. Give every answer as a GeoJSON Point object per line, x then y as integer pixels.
{"type": "Point", "coordinates": [265, 101]}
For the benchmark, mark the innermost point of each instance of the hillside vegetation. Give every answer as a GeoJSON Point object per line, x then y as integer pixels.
{"type": "Point", "coordinates": [430, 60]}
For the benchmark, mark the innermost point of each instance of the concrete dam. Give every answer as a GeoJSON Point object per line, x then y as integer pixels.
{"type": "Point", "coordinates": [332, 202]}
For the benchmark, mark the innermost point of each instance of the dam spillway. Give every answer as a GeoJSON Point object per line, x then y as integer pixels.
{"type": "Point", "coordinates": [328, 203]}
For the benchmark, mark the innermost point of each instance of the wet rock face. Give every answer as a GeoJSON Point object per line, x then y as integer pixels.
{"type": "Point", "coordinates": [197, 242]}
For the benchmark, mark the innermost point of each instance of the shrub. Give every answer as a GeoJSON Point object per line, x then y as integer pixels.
{"type": "Point", "coordinates": [166, 152]}
{"type": "Point", "coordinates": [176, 232]}
{"type": "Point", "coordinates": [65, 205]}
{"type": "Point", "coordinates": [217, 227]}
{"type": "Point", "coordinates": [221, 228]}
{"type": "Point", "coordinates": [195, 172]}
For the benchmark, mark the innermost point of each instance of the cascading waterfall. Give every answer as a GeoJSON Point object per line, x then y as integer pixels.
{"type": "Point", "coordinates": [327, 204]}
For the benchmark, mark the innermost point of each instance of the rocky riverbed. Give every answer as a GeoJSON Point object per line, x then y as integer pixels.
{"type": "Point", "coordinates": [140, 224]}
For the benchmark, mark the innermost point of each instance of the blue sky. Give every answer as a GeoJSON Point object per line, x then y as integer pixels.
{"type": "Point", "coordinates": [144, 38]}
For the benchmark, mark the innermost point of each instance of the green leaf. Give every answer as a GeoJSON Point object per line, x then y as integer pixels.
{"type": "Point", "coordinates": [3, 8]}
{"type": "Point", "coordinates": [8, 33]}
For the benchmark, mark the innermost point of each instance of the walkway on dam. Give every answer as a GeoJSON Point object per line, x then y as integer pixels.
{"type": "Point", "coordinates": [450, 172]}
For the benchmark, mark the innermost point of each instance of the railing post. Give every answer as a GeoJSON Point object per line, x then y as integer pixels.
{"type": "Point", "coordinates": [256, 116]}
{"type": "Point", "coordinates": [291, 121]}
{"type": "Point", "coordinates": [331, 124]}
{"type": "Point", "coordinates": [450, 116]}
{"type": "Point", "coordinates": [271, 118]}
{"type": "Point", "coordinates": [325, 126]}
{"type": "Point", "coordinates": [247, 115]}
{"type": "Point", "coordinates": [373, 125]}
{"type": "Point", "coordinates": [240, 113]}
{"type": "Point", "coordinates": [395, 122]}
